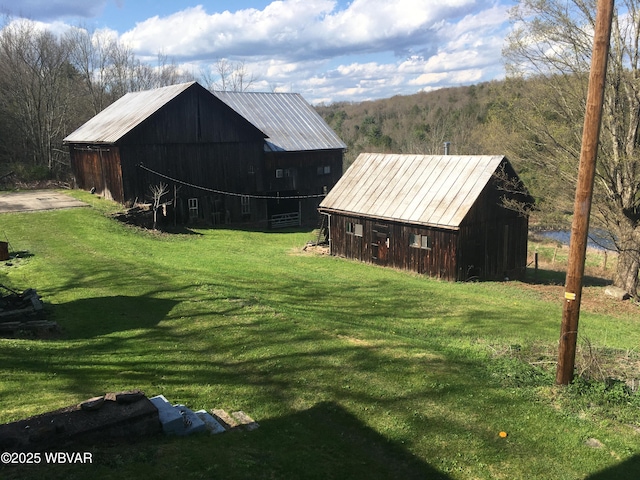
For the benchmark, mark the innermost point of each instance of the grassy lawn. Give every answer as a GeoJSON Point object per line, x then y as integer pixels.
{"type": "Point", "coordinates": [352, 371]}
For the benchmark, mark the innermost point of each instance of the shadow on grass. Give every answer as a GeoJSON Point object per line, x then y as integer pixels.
{"type": "Point", "coordinates": [557, 277]}
{"type": "Point", "coordinates": [627, 470]}
{"type": "Point", "coordinates": [92, 317]}
{"type": "Point", "coordinates": [323, 442]}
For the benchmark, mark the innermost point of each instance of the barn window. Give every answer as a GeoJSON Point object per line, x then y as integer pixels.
{"type": "Point", "coordinates": [414, 240]}
{"type": "Point", "coordinates": [193, 208]}
{"type": "Point", "coordinates": [324, 170]}
{"type": "Point", "coordinates": [252, 170]}
{"type": "Point", "coordinates": [246, 205]}
{"type": "Point", "coordinates": [425, 242]}
{"type": "Point", "coordinates": [279, 173]}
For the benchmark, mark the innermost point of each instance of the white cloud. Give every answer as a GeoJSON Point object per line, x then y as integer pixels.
{"type": "Point", "coordinates": [328, 50]}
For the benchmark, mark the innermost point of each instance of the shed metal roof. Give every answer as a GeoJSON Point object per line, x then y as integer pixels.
{"type": "Point", "coordinates": [432, 190]}
{"type": "Point", "coordinates": [289, 122]}
{"type": "Point", "coordinates": [125, 114]}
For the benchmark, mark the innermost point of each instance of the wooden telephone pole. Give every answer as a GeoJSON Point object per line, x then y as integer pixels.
{"type": "Point", "coordinates": [584, 194]}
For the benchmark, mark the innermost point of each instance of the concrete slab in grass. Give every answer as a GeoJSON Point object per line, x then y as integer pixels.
{"type": "Point", "coordinates": [170, 418]}
{"type": "Point", "coordinates": [211, 423]}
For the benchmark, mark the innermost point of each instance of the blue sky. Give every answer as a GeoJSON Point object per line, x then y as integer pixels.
{"type": "Point", "coordinates": [327, 50]}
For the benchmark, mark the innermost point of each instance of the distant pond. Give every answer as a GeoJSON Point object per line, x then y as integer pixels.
{"type": "Point", "coordinates": [598, 239]}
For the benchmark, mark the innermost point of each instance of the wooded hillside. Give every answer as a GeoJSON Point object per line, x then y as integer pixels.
{"type": "Point", "coordinates": [474, 119]}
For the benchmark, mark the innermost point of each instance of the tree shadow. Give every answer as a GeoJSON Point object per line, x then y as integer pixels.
{"type": "Point", "coordinates": [92, 317]}
{"type": "Point", "coordinates": [327, 441]}
{"type": "Point", "coordinates": [627, 470]}
{"type": "Point", "coordinates": [557, 277]}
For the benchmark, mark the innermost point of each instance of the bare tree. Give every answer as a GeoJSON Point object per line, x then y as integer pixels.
{"type": "Point", "coordinates": [552, 44]}
{"type": "Point", "coordinates": [157, 192]}
{"type": "Point", "coordinates": [228, 76]}
{"type": "Point", "coordinates": [89, 55]}
{"type": "Point", "coordinates": [36, 84]}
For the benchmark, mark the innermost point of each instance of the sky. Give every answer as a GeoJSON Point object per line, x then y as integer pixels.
{"type": "Point", "coordinates": [327, 50]}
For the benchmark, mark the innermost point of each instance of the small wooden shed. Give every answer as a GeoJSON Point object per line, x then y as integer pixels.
{"type": "Point", "coordinates": [439, 215]}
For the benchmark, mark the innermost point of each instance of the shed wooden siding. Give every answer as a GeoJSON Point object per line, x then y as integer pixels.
{"type": "Point", "coordinates": [439, 261]}
{"type": "Point", "coordinates": [492, 239]}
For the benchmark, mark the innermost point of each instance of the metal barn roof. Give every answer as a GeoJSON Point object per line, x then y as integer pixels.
{"type": "Point", "coordinates": [289, 122]}
{"type": "Point", "coordinates": [433, 190]}
{"type": "Point", "coordinates": [125, 114]}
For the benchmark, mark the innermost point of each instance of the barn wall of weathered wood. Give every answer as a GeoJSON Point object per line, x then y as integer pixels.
{"type": "Point", "coordinates": [307, 173]}
{"type": "Point", "coordinates": [97, 168]}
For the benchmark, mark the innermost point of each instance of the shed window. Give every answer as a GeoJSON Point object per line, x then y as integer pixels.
{"type": "Point", "coordinates": [420, 241]}
{"type": "Point", "coordinates": [279, 173]}
{"type": "Point", "coordinates": [324, 170]}
{"type": "Point", "coordinates": [354, 229]}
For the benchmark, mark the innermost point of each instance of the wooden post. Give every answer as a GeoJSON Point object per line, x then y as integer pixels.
{"type": "Point", "coordinates": [584, 194]}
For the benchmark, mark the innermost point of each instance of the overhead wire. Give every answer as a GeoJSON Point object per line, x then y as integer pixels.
{"type": "Point", "coordinates": [233, 194]}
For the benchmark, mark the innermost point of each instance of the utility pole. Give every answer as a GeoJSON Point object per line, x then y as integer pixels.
{"type": "Point", "coordinates": [584, 194]}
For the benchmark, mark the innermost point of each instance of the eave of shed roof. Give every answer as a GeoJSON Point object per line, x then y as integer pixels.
{"type": "Point", "coordinates": [430, 190]}
{"type": "Point", "coordinates": [289, 122]}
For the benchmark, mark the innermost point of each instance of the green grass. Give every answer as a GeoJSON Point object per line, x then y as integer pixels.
{"type": "Point", "coordinates": [352, 371]}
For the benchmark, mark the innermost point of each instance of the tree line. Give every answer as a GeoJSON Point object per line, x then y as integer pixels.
{"type": "Point", "coordinates": [51, 84]}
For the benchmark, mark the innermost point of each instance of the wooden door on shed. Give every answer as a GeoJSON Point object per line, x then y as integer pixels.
{"type": "Point", "coordinates": [380, 244]}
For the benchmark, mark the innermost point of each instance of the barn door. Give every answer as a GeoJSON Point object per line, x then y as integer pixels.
{"type": "Point", "coordinates": [380, 244]}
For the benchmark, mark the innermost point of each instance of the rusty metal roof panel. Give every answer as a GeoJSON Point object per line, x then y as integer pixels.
{"type": "Point", "coordinates": [125, 114]}
{"type": "Point", "coordinates": [433, 190]}
{"type": "Point", "coordinates": [289, 122]}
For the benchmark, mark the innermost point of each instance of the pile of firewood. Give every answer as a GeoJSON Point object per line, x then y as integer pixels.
{"type": "Point", "coordinates": [22, 312]}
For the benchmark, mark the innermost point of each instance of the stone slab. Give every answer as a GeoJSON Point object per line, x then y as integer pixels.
{"type": "Point", "coordinates": [226, 420]}
{"type": "Point", "coordinates": [245, 420]}
{"type": "Point", "coordinates": [213, 426]}
{"type": "Point", "coordinates": [191, 422]}
{"type": "Point", "coordinates": [170, 418]}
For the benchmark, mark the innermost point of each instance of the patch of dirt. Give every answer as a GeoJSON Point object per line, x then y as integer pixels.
{"type": "Point", "coordinates": [319, 249]}
{"type": "Point", "coordinates": [593, 299]}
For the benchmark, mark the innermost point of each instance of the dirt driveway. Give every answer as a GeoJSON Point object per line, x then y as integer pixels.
{"type": "Point", "coordinates": [34, 200]}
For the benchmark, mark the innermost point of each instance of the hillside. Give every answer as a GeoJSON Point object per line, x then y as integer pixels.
{"type": "Point", "coordinates": [418, 123]}
{"type": "Point", "coordinates": [474, 119]}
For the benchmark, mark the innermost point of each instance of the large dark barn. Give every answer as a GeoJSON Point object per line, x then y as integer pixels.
{"type": "Point", "coordinates": [438, 215]}
{"type": "Point", "coordinates": [221, 164]}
